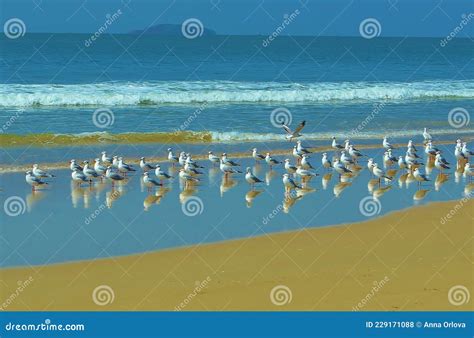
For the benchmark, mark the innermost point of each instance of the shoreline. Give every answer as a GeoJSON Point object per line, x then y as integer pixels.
{"type": "Point", "coordinates": [241, 272]}
{"type": "Point", "coordinates": [204, 157]}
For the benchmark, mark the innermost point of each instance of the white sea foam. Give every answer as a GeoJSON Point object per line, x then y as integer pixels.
{"type": "Point", "coordinates": [152, 93]}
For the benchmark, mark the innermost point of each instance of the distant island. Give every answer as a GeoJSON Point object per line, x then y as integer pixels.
{"type": "Point", "coordinates": [169, 30]}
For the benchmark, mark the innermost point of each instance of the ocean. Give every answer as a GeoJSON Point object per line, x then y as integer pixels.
{"type": "Point", "coordinates": [233, 88]}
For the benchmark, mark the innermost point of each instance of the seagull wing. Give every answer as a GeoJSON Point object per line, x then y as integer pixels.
{"type": "Point", "coordinates": [300, 127]}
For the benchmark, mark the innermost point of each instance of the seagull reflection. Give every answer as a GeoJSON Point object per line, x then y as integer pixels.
{"type": "Point", "coordinates": [213, 171]}
{"type": "Point", "coordinates": [186, 193]}
{"type": "Point", "coordinates": [112, 195]}
{"type": "Point", "coordinates": [339, 188]}
{"type": "Point", "coordinates": [269, 176]}
{"type": "Point", "coordinates": [150, 200]}
{"type": "Point", "coordinates": [325, 180]}
{"type": "Point", "coordinates": [33, 198]}
{"type": "Point", "coordinates": [250, 195]}
{"type": "Point", "coordinates": [377, 193]}
{"type": "Point", "coordinates": [403, 179]}
{"type": "Point", "coordinates": [468, 190]}
{"type": "Point", "coordinates": [372, 184]}
{"type": "Point", "coordinates": [420, 194]}
{"type": "Point", "coordinates": [440, 180]}
{"type": "Point", "coordinates": [227, 183]}
{"type": "Point", "coordinates": [289, 201]}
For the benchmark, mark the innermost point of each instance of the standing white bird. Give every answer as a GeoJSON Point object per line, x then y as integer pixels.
{"type": "Point", "coordinates": [33, 180]}
{"type": "Point", "coordinates": [336, 145]}
{"type": "Point", "coordinates": [113, 176]}
{"type": "Point", "coordinates": [370, 165]}
{"type": "Point", "coordinates": [188, 179]}
{"type": "Point", "coordinates": [346, 159]}
{"type": "Point", "coordinates": [301, 149]}
{"type": "Point", "coordinates": [257, 157]}
{"type": "Point", "coordinates": [40, 173]}
{"type": "Point", "coordinates": [144, 165]}
{"type": "Point", "coordinates": [466, 152]}
{"type": "Point", "coordinates": [228, 162]}
{"type": "Point", "coordinates": [78, 176]}
{"type": "Point", "coordinates": [99, 168]}
{"type": "Point", "coordinates": [149, 182]}
{"type": "Point", "coordinates": [325, 161]}
{"type": "Point", "coordinates": [378, 172]}
{"type": "Point", "coordinates": [402, 164]}
{"type": "Point", "coordinates": [105, 158]}
{"type": "Point", "coordinates": [296, 154]}
{"type": "Point", "coordinates": [305, 162]}
{"type": "Point", "coordinates": [228, 169]}
{"type": "Point", "coordinates": [182, 158]}
{"type": "Point", "coordinates": [90, 173]}
{"type": "Point", "coordinates": [440, 163]}
{"type": "Point", "coordinates": [340, 168]}
{"type": "Point", "coordinates": [161, 174]}
{"type": "Point", "coordinates": [305, 174]}
{"type": "Point", "coordinates": [386, 144]}
{"type": "Point", "coordinates": [419, 176]}
{"type": "Point", "coordinates": [290, 168]}
{"type": "Point", "coordinates": [411, 147]}
{"type": "Point", "coordinates": [173, 159]}
{"type": "Point", "coordinates": [124, 167]}
{"type": "Point", "coordinates": [213, 158]}
{"type": "Point", "coordinates": [251, 178]}
{"type": "Point", "coordinates": [289, 183]}
{"type": "Point", "coordinates": [73, 165]}
{"type": "Point", "coordinates": [468, 171]}
{"type": "Point", "coordinates": [271, 161]}
{"type": "Point", "coordinates": [190, 170]}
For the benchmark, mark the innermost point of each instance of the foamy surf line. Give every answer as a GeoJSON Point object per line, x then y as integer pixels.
{"type": "Point", "coordinates": [182, 137]}
{"type": "Point", "coordinates": [187, 92]}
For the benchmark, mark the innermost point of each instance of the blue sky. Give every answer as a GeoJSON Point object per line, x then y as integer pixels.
{"type": "Point", "coordinates": [317, 17]}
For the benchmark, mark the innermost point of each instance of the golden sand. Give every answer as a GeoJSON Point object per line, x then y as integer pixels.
{"type": "Point", "coordinates": [407, 260]}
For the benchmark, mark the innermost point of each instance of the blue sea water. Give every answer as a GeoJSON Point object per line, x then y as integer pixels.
{"type": "Point", "coordinates": [154, 84]}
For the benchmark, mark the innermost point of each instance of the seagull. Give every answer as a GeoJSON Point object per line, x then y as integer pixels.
{"type": "Point", "coordinates": [426, 135]}
{"type": "Point", "coordinates": [213, 158]}
{"type": "Point", "coordinates": [124, 167]}
{"type": "Point", "coordinates": [386, 144]}
{"type": "Point", "coordinates": [304, 173]}
{"type": "Point", "coordinates": [78, 176]}
{"type": "Point", "coordinates": [271, 161]}
{"type": "Point", "coordinates": [459, 154]}
{"type": "Point", "coordinates": [187, 178]}
{"type": "Point", "coordinates": [354, 152]}
{"type": "Point", "coordinates": [301, 149]}
{"type": "Point", "coordinates": [289, 183]}
{"type": "Point", "coordinates": [370, 165]}
{"type": "Point", "coordinates": [466, 152]}
{"type": "Point", "coordinates": [32, 180]}
{"type": "Point", "coordinates": [105, 158]}
{"type": "Point", "coordinates": [412, 153]}
{"type": "Point", "coordinates": [149, 182]}
{"type": "Point", "coordinates": [190, 170]}
{"type": "Point", "coordinates": [346, 160]}
{"type": "Point", "coordinates": [402, 163]}
{"type": "Point", "coordinates": [228, 162]}
{"type": "Point", "coordinates": [305, 163]}
{"type": "Point", "coordinates": [113, 176]}
{"type": "Point", "coordinates": [90, 173]}
{"type": "Point", "coordinates": [145, 166]}
{"type": "Point", "coordinates": [182, 158]}
{"type": "Point", "coordinates": [100, 169]}
{"type": "Point", "coordinates": [411, 147]}
{"type": "Point", "coordinates": [251, 178]}
{"type": "Point", "coordinates": [290, 168]}
{"type": "Point", "coordinates": [173, 159]}
{"type": "Point", "coordinates": [191, 163]}
{"type": "Point", "coordinates": [325, 161]}
{"type": "Point", "coordinates": [340, 168]}
{"type": "Point", "coordinates": [40, 173]}
{"type": "Point", "coordinates": [430, 150]}
{"type": "Point", "coordinates": [293, 134]}
{"type": "Point", "coordinates": [440, 163]}
{"type": "Point", "coordinates": [257, 156]}
{"type": "Point", "coordinates": [227, 169]}
{"type": "Point", "coordinates": [73, 165]}
{"type": "Point", "coordinates": [378, 172]}
{"type": "Point", "coordinates": [336, 145]}
{"type": "Point", "coordinates": [419, 176]}
{"type": "Point", "coordinates": [161, 174]}
{"type": "Point", "coordinates": [115, 161]}
{"type": "Point", "coordinates": [297, 154]}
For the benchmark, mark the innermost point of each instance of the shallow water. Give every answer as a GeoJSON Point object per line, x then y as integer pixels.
{"type": "Point", "coordinates": [64, 223]}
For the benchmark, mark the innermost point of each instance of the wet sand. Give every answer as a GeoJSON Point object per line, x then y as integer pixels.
{"type": "Point", "coordinates": [406, 260]}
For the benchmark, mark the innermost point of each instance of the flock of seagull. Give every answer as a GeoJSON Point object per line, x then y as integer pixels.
{"type": "Point", "coordinates": [344, 162]}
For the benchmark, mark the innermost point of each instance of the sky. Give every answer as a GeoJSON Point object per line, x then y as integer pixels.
{"type": "Point", "coordinates": [417, 18]}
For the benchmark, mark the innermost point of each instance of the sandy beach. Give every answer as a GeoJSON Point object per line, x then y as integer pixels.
{"type": "Point", "coordinates": [406, 260]}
